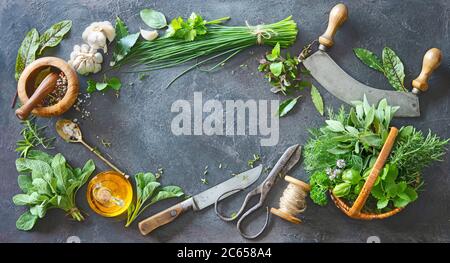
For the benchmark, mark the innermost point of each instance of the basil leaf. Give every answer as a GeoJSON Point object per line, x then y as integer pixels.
{"type": "Point", "coordinates": [121, 29]}
{"type": "Point", "coordinates": [101, 86]}
{"type": "Point", "coordinates": [394, 70]}
{"type": "Point", "coordinates": [286, 106]}
{"type": "Point", "coordinates": [317, 99]}
{"type": "Point", "coordinates": [342, 189]}
{"type": "Point", "coordinates": [382, 203]}
{"type": "Point", "coordinates": [369, 58]}
{"type": "Point", "coordinates": [53, 36]}
{"type": "Point", "coordinates": [26, 221]}
{"type": "Point", "coordinates": [276, 68]}
{"type": "Point", "coordinates": [153, 19]}
{"type": "Point", "coordinates": [27, 51]}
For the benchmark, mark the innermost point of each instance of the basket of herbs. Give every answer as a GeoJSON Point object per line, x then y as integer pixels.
{"type": "Point", "coordinates": [371, 170]}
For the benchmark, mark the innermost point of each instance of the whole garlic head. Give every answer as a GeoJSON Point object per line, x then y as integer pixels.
{"type": "Point", "coordinates": [97, 33]}
{"type": "Point", "coordinates": [85, 59]}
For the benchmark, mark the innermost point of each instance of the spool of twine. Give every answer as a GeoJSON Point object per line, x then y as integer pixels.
{"type": "Point", "coordinates": [292, 201]}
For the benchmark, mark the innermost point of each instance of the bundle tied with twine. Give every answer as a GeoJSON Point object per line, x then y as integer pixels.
{"type": "Point", "coordinates": [219, 41]}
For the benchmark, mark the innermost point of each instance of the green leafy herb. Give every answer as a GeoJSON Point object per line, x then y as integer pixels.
{"type": "Point", "coordinates": [394, 70]}
{"type": "Point", "coordinates": [107, 84]}
{"type": "Point", "coordinates": [48, 182]}
{"type": "Point", "coordinates": [390, 65]}
{"type": "Point", "coordinates": [281, 72]}
{"type": "Point", "coordinates": [53, 36]}
{"type": "Point", "coordinates": [287, 106]}
{"type": "Point", "coordinates": [148, 192]}
{"type": "Point", "coordinates": [369, 58]}
{"type": "Point", "coordinates": [256, 158]}
{"type": "Point", "coordinates": [341, 154]}
{"type": "Point", "coordinates": [191, 28]}
{"type": "Point", "coordinates": [317, 99]}
{"type": "Point", "coordinates": [32, 138]}
{"type": "Point", "coordinates": [153, 19]}
{"type": "Point", "coordinates": [27, 51]}
{"type": "Point", "coordinates": [125, 41]}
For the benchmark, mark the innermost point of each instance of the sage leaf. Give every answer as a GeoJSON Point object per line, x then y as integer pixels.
{"type": "Point", "coordinates": [26, 221]}
{"type": "Point", "coordinates": [53, 36]}
{"type": "Point", "coordinates": [153, 19]}
{"type": "Point", "coordinates": [25, 183]}
{"type": "Point", "coordinates": [335, 126]}
{"type": "Point", "coordinates": [369, 58]}
{"type": "Point", "coordinates": [317, 99]}
{"type": "Point", "coordinates": [287, 106]}
{"type": "Point", "coordinates": [27, 51]}
{"type": "Point", "coordinates": [276, 68]}
{"type": "Point", "coordinates": [393, 69]}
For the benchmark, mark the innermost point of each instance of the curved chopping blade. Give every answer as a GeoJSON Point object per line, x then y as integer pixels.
{"type": "Point", "coordinates": [344, 87]}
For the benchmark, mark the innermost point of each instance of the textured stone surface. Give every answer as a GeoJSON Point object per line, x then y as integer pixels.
{"type": "Point", "coordinates": [138, 123]}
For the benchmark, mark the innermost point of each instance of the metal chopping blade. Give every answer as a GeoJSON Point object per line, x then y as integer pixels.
{"type": "Point", "coordinates": [344, 87]}
{"type": "Point", "coordinates": [239, 181]}
{"type": "Point", "coordinates": [347, 89]}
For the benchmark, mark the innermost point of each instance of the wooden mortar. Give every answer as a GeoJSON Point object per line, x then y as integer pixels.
{"type": "Point", "coordinates": [30, 99]}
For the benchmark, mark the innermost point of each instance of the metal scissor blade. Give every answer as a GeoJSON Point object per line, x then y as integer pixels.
{"type": "Point", "coordinates": [288, 160]}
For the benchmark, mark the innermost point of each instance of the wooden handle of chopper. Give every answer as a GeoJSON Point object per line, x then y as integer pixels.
{"type": "Point", "coordinates": [338, 15]}
{"type": "Point", "coordinates": [431, 61]}
{"type": "Point", "coordinates": [164, 217]}
{"type": "Point", "coordinates": [46, 87]}
{"type": "Point", "coordinates": [377, 167]}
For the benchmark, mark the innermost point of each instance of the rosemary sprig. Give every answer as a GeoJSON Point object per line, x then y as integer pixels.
{"type": "Point", "coordinates": [32, 138]}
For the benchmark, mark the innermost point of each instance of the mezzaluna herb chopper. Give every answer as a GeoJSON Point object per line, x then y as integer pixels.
{"type": "Point", "coordinates": [344, 87]}
{"type": "Point", "coordinates": [109, 193]}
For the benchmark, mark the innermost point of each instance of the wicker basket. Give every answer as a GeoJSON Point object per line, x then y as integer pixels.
{"type": "Point", "coordinates": [355, 211]}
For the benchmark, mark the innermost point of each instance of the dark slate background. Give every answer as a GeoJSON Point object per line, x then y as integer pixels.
{"type": "Point", "coordinates": [138, 123]}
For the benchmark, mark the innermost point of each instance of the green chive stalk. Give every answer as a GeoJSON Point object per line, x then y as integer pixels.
{"type": "Point", "coordinates": [223, 40]}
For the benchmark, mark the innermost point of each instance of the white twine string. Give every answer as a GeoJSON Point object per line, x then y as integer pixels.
{"type": "Point", "coordinates": [293, 200]}
{"type": "Point", "coordinates": [260, 32]}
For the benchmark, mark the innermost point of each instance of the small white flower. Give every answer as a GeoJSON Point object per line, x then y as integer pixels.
{"type": "Point", "coordinates": [328, 171]}
{"type": "Point", "coordinates": [340, 164]}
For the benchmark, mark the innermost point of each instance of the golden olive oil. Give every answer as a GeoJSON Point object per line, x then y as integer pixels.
{"type": "Point", "coordinates": [109, 194]}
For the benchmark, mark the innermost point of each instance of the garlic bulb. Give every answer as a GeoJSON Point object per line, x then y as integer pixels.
{"type": "Point", "coordinates": [85, 59]}
{"type": "Point", "coordinates": [97, 33]}
{"type": "Point", "coordinates": [149, 35]}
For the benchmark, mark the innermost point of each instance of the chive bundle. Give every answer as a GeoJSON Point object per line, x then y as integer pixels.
{"type": "Point", "coordinates": [219, 41]}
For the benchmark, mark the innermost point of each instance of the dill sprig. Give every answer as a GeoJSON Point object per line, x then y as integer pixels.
{"type": "Point", "coordinates": [32, 137]}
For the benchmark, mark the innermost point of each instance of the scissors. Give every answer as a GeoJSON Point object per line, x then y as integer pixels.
{"type": "Point", "coordinates": [288, 160]}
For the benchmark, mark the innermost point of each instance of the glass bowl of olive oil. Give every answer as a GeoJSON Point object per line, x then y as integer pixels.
{"type": "Point", "coordinates": [109, 194]}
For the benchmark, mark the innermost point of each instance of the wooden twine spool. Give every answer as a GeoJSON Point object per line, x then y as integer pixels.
{"type": "Point", "coordinates": [355, 210]}
{"type": "Point", "coordinates": [293, 200]}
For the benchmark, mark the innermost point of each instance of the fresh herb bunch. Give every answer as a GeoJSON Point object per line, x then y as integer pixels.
{"type": "Point", "coordinates": [340, 156]}
{"type": "Point", "coordinates": [148, 188]}
{"type": "Point", "coordinates": [48, 182]}
{"type": "Point", "coordinates": [390, 65]}
{"type": "Point", "coordinates": [32, 137]}
{"type": "Point", "coordinates": [282, 73]}
{"type": "Point", "coordinates": [218, 41]}
{"type": "Point", "coordinates": [286, 76]}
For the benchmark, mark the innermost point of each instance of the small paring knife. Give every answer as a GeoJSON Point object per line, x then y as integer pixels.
{"type": "Point", "coordinates": [201, 200]}
{"type": "Point", "coordinates": [334, 79]}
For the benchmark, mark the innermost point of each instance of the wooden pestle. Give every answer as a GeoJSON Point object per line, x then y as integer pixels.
{"type": "Point", "coordinates": [45, 88]}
